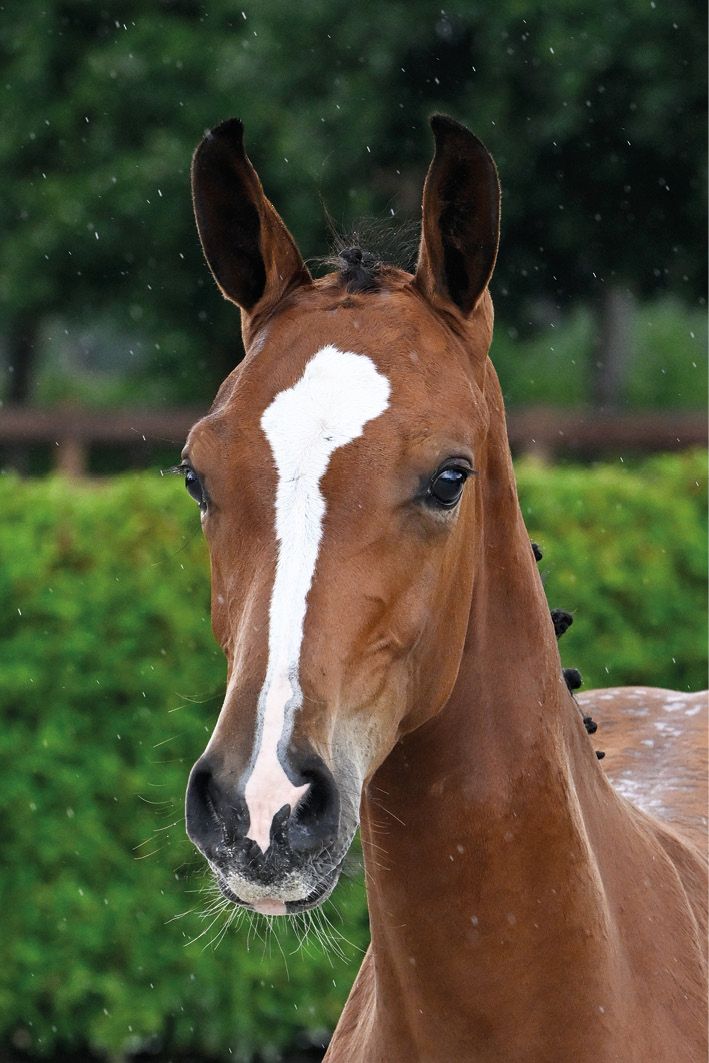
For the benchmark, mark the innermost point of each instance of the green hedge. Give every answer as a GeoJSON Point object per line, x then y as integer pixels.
{"type": "Point", "coordinates": [625, 552]}
{"type": "Point", "coordinates": [109, 685]}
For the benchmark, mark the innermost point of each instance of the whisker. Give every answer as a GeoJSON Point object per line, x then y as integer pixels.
{"type": "Point", "coordinates": [206, 929]}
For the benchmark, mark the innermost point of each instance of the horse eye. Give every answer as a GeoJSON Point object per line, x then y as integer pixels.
{"type": "Point", "coordinates": [446, 487]}
{"type": "Point", "coordinates": [194, 487]}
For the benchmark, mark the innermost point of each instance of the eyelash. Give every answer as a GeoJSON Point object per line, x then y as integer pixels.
{"type": "Point", "coordinates": [185, 469]}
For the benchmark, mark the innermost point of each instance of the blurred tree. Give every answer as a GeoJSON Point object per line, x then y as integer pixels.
{"type": "Point", "coordinates": [595, 116]}
{"type": "Point", "coordinates": [96, 147]}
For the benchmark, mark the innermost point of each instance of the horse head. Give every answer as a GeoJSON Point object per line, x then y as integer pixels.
{"type": "Point", "coordinates": [336, 479]}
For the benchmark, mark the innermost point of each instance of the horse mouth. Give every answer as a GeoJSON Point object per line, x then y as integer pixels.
{"type": "Point", "coordinates": [315, 897]}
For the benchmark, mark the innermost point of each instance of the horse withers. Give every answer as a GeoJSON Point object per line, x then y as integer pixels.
{"type": "Point", "coordinates": [392, 663]}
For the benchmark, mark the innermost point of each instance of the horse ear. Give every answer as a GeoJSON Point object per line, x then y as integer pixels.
{"type": "Point", "coordinates": [461, 218]}
{"type": "Point", "coordinates": [249, 250]}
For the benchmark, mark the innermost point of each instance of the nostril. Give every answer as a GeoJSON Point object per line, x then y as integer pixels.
{"type": "Point", "coordinates": [212, 816]}
{"type": "Point", "coordinates": [315, 820]}
{"type": "Point", "coordinates": [203, 823]}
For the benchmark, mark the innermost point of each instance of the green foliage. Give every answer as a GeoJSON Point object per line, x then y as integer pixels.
{"type": "Point", "coordinates": [667, 359]}
{"type": "Point", "coordinates": [110, 684]}
{"type": "Point", "coordinates": [625, 552]}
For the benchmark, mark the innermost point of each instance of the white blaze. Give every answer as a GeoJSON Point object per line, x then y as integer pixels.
{"type": "Point", "coordinates": [338, 393]}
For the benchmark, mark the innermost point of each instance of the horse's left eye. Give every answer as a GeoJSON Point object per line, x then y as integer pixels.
{"type": "Point", "coordinates": [194, 487]}
{"type": "Point", "coordinates": [446, 487]}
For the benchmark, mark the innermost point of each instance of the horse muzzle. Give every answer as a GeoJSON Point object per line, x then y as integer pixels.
{"type": "Point", "coordinates": [299, 864]}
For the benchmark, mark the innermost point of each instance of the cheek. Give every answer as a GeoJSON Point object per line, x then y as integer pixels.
{"type": "Point", "coordinates": [241, 579]}
{"type": "Point", "coordinates": [219, 610]}
{"type": "Point", "coordinates": [439, 610]}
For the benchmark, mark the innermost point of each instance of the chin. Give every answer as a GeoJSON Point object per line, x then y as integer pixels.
{"type": "Point", "coordinates": [298, 892]}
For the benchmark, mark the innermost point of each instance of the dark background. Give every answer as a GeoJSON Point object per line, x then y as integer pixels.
{"type": "Point", "coordinates": [594, 113]}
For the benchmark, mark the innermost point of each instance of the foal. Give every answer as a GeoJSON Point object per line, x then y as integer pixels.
{"type": "Point", "coordinates": [389, 644]}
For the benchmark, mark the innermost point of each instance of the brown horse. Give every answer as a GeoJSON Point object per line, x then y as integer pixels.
{"type": "Point", "coordinates": [392, 662]}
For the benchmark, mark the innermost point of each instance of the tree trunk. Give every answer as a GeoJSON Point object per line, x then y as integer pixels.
{"type": "Point", "coordinates": [22, 355]}
{"type": "Point", "coordinates": [22, 343]}
{"type": "Point", "coordinates": [611, 356]}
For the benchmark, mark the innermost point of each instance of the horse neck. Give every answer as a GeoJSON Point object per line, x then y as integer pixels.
{"type": "Point", "coordinates": [478, 816]}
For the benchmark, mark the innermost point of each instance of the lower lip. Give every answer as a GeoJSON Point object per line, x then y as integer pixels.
{"type": "Point", "coordinates": [269, 907]}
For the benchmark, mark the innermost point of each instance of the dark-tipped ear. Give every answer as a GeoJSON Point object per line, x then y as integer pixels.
{"type": "Point", "coordinates": [461, 218]}
{"type": "Point", "coordinates": [252, 255]}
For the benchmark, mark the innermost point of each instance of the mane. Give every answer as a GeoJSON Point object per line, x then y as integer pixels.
{"type": "Point", "coordinates": [363, 254]}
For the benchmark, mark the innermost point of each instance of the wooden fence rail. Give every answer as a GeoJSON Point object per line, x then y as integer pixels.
{"type": "Point", "coordinates": [544, 431]}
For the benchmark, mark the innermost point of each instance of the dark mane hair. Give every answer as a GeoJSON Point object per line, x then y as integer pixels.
{"type": "Point", "coordinates": [361, 255]}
